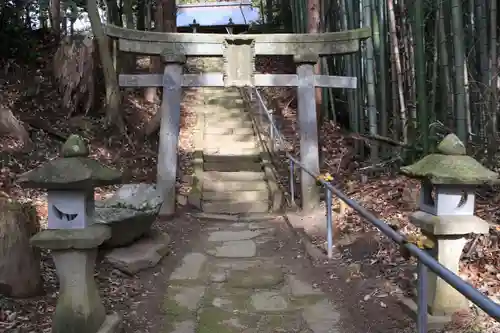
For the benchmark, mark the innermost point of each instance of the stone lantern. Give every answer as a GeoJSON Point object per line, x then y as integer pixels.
{"type": "Point", "coordinates": [446, 213]}
{"type": "Point", "coordinates": [72, 236]}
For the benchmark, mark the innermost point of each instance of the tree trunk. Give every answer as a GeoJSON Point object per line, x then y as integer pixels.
{"type": "Point", "coordinates": [129, 59]}
{"type": "Point", "coordinates": [19, 261]}
{"type": "Point", "coordinates": [151, 93]}
{"type": "Point", "coordinates": [9, 125]}
{"type": "Point", "coordinates": [493, 98]}
{"type": "Point", "coordinates": [459, 59]}
{"type": "Point", "coordinates": [55, 16]}
{"type": "Point", "coordinates": [168, 24]}
{"type": "Point", "coordinates": [141, 15]}
{"type": "Point", "coordinates": [112, 100]}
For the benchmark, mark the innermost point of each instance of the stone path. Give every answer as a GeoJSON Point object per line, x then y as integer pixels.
{"type": "Point", "coordinates": [228, 284]}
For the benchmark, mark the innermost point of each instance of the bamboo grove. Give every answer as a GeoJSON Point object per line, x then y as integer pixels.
{"type": "Point", "coordinates": [430, 68]}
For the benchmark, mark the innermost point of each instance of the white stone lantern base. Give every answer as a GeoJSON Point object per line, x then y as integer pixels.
{"type": "Point", "coordinates": [449, 235]}
{"type": "Point", "coordinates": [79, 308]}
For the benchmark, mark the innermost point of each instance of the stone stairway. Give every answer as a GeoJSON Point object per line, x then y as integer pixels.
{"type": "Point", "coordinates": [230, 176]}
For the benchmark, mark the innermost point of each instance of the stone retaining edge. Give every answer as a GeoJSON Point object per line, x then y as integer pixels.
{"type": "Point", "coordinates": [194, 196]}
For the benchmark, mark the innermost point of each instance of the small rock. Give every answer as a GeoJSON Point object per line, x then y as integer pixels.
{"type": "Point", "coordinates": [451, 145]}
{"type": "Point", "coordinates": [142, 196]}
{"type": "Point", "coordinates": [75, 147]}
{"type": "Point", "coordinates": [145, 253]}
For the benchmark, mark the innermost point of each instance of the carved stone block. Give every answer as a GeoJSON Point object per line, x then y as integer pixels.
{"type": "Point", "coordinates": [239, 62]}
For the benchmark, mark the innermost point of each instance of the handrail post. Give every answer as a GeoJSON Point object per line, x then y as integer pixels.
{"type": "Point", "coordinates": [329, 222]}
{"type": "Point", "coordinates": [271, 131]}
{"type": "Point", "coordinates": [292, 183]}
{"type": "Point", "coordinates": [422, 302]}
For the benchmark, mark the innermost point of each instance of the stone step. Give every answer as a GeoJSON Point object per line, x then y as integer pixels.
{"type": "Point", "coordinates": [231, 152]}
{"type": "Point", "coordinates": [228, 123]}
{"type": "Point", "coordinates": [216, 144]}
{"type": "Point", "coordinates": [209, 137]}
{"type": "Point", "coordinates": [232, 166]}
{"type": "Point", "coordinates": [235, 208]}
{"type": "Point", "coordinates": [221, 117]}
{"type": "Point", "coordinates": [211, 110]}
{"type": "Point", "coordinates": [218, 158]}
{"type": "Point", "coordinates": [235, 196]}
{"type": "Point", "coordinates": [234, 185]}
{"type": "Point", "coordinates": [233, 176]}
{"type": "Point", "coordinates": [227, 102]}
{"type": "Point", "coordinates": [224, 93]}
{"type": "Point", "coordinates": [229, 131]}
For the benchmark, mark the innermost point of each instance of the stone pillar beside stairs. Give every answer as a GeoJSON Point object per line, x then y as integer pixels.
{"type": "Point", "coordinates": [446, 216]}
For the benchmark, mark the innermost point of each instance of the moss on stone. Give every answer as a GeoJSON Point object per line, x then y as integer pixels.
{"type": "Point", "coordinates": [447, 169]}
{"type": "Point", "coordinates": [291, 322]}
{"type": "Point", "coordinates": [228, 299]}
{"type": "Point", "coordinates": [215, 320]}
{"type": "Point", "coordinates": [74, 147]}
{"type": "Point", "coordinates": [300, 302]}
{"type": "Point", "coordinates": [70, 173]}
{"type": "Point", "coordinates": [176, 312]}
{"type": "Point", "coordinates": [451, 145]}
{"type": "Point", "coordinates": [256, 278]}
{"type": "Point", "coordinates": [451, 166]}
{"type": "Point", "coordinates": [211, 320]}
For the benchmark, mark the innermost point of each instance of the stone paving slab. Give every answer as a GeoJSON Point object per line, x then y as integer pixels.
{"type": "Point", "coordinates": [226, 287]}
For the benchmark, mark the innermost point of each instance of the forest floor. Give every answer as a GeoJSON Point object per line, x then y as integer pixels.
{"type": "Point", "coordinates": [385, 194]}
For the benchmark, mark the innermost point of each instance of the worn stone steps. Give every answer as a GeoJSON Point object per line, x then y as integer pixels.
{"type": "Point", "coordinates": [229, 117]}
{"type": "Point", "coordinates": [232, 176]}
{"type": "Point", "coordinates": [224, 138]}
{"type": "Point", "coordinates": [252, 153]}
{"type": "Point", "coordinates": [233, 185]}
{"type": "Point", "coordinates": [215, 144]}
{"type": "Point", "coordinates": [229, 123]}
{"type": "Point", "coordinates": [232, 166]}
{"type": "Point", "coordinates": [226, 101]}
{"type": "Point", "coordinates": [230, 173]}
{"type": "Point", "coordinates": [223, 207]}
{"type": "Point", "coordinates": [235, 196]}
{"type": "Point", "coordinates": [229, 131]}
{"type": "Point", "coordinates": [215, 111]}
{"type": "Point", "coordinates": [217, 158]}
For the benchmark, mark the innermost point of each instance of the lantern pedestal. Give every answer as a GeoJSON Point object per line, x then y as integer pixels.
{"type": "Point", "coordinates": [79, 308]}
{"type": "Point", "coordinates": [449, 235]}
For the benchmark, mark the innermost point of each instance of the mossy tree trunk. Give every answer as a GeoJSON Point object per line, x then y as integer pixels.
{"type": "Point", "coordinates": [113, 97]}
{"type": "Point", "coordinates": [19, 261]}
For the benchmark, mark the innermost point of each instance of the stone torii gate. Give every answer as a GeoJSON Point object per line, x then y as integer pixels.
{"type": "Point", "coordinates": [239, 53]}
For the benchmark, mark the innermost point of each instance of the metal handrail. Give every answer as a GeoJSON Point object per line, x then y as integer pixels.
{"type": "Point", "coordinates": [425, 260]}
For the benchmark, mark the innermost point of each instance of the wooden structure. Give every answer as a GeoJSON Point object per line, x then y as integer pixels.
{"type": "Point", "coordinates": [239, 53]}
{"type": "Point", "coordinates": [216, 17]}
